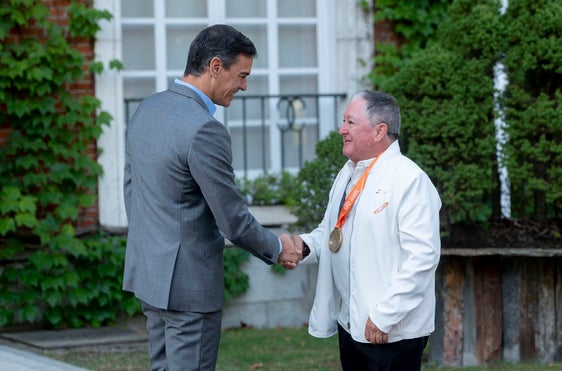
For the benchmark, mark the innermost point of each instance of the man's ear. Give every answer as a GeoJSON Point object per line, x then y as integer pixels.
{"type": "Point", "coordinates": [215, 65]}
{"type": "Point", "coordinates": [381, 130]}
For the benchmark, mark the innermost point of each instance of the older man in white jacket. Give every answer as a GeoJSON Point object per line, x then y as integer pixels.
{"type": "Point", "coordinates": [377, 250]}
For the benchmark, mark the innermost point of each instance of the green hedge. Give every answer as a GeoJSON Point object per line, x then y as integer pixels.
{"type": "Point", "coordinates": [533, 107]}
{"type": "Point", "coordinates": [63, 288]}
{"type": "Point", "coordinates": [446, 92]}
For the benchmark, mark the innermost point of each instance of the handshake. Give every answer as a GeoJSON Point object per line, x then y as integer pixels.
{"type": "Point", "coordinates": [292, 251]}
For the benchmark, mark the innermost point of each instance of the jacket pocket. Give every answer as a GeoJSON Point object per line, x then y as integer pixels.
{"type": "Point", "coordinates": [214, 248]}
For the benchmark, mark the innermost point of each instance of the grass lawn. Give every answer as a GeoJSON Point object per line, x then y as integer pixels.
{"type": "Point", "coordinates": [267, 349]}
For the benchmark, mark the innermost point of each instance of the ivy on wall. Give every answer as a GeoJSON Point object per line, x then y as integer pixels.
{"type": "Point", "coordinates": [48, 171]}
{"type": "Point", "coordinates": [414, 24]}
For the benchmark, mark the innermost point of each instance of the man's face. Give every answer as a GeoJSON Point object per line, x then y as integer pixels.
{"type": "Point", "coordinates": [358, 136]}
{"type": "Point", "coordinates": [228, 82]}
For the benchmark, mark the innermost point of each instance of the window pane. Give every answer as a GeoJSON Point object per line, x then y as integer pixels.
{"type": "Point", "coordinates": [296, 8]}
{"type": "Point", "coordinates": [295, 85]}
{"type": "Point", "coordinates": [138, 87]}
{"type": "Point", "coordinates": [298, 145]}
{"type": "Point", "coordinates": [186, 8]}
{"type": "Point", "coordinates": [138, 48]}
{"type": "Point", "coordinates": [246, 8]}
{"type": "Point", "coordinates": [298, 84]}
{"type": "Point", "coordinates": [136, 8]}
{"type": "Point", "coordinates": [258, 35]}
{"type": "Point", "coordinates": [253, 151]}
{"type": "Point", "coordinates": [297, 46]}
{"type": "Point", "coordinates": [178, 40]}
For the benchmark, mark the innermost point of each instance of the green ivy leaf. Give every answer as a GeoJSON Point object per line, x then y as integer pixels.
{"type": "Point", "coordinates": [96, 67]}
{"type": "Point", "coordinates": [53, 298]}
{"type": "Point", "coordinates": [10, 249]}
{"type": "Point", "coordinates": [116, 64]}
{"type": "Point", "coordinates": [29, 313]}
{"type": "Point", "coordinates": [54, 316]}
{"type": "Point", "coordinates": [26, 220]}
{"type": "Point", "coordinates": [78, 296]}
{"type": "Point", "coordinates": [7, 225]}
{"type": "Point", "coordinates": [9, 196]}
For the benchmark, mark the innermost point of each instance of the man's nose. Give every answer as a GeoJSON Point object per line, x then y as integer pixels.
{"type": "Point", "coordinates": [343, 128]}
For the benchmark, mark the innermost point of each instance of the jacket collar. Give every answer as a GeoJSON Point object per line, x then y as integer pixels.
{"type": "Point", "coordinates": [190, 92]}
{"type": "Point", "coordinates": [392, 150]}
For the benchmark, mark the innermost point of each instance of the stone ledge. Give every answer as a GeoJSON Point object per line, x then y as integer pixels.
{"type": "Point", "coordinates": [273, 216]}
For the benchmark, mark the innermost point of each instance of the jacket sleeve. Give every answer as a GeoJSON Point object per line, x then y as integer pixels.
{"type": "Point", "coordinates": [210, 162]}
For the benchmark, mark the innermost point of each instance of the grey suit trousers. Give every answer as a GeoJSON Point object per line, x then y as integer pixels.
{"type": "Point", "coordinates": [182, 340]}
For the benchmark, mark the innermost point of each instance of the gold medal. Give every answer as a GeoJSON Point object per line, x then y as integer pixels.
{"type": "Point", "coordinates": [336, 238]}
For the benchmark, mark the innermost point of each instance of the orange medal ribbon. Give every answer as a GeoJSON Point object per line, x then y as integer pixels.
{"type": "Point", "coordinates": [336, 236]}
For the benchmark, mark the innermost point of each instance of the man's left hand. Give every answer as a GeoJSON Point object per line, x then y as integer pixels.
{"type": "Point", "coordinates": [373, 334]}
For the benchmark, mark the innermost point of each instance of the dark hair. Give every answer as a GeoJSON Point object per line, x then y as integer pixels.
{"type": "Point", "coordinates": [382, 107]}
{"type": "Point", "coordinates": [222, 41]}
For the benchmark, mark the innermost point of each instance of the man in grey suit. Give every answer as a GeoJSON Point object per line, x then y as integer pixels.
{"type": "Point", "coordinates": [180, 194]}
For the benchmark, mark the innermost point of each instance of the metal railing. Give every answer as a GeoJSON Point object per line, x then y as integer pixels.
{"type": "Point", "coordinates": [274, 131]}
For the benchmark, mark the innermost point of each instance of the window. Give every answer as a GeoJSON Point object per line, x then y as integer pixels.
{"type": "Point", "coordinates": [296, 41]}
{"type": "Point", "coordinates": [156, 36]}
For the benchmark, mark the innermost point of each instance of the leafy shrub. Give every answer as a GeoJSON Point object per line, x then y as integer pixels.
{"type": "Point", "coordinates": [64, 289]}
{"type": "Point", "coordinates": [236, 282]}
{"type": "Point", "coordinates": [446, 93]}
{"type": "Point", "coordinates": [533, 108]}
{"type": "Point", "coordinates": [314, 182]}
{"type": "Point", "coordinates": [61, 287]}
{"type": "Point", "coordinates": [447, 96]}
{"type": "Point", "coordinates": [268, 189]}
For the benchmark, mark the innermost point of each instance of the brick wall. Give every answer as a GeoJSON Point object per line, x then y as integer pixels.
{"type": "Point", "coordinates": [88, 219]}
{"type": "Point", "coordinates": [384, 32]}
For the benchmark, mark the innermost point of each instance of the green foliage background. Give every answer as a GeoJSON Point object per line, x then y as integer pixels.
{"type": "Point", "coordinates": [533, 107]}
{"type": "Point", "coordinates": [47, 274]}
{"type": "Point", "coordinates": [415, 24]}
{"type": "Point", "coordinates": [314, 182]}
{"type": "Point", "coordinates": [446, 91]}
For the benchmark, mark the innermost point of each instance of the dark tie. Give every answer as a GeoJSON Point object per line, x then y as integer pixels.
{"type": "Point", "coordinates": [344, 195]}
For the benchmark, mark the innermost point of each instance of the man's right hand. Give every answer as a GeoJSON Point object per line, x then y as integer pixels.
{"type": "Point", "coordinates": [291, 254]}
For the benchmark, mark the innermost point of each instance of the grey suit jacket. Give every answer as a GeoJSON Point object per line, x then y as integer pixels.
{"type": "Point", "coordinates": [180, 194]}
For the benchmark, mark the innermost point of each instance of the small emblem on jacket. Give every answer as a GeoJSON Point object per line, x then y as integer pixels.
{"type": "Point", "coordinates": [381, 208]}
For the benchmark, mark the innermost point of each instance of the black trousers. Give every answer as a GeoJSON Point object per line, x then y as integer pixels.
{"type": "Point", "coordinates": [404, 355]}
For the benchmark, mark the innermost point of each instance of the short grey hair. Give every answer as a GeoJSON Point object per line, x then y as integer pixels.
{"type": "Point", "coordinates": [382, 107]}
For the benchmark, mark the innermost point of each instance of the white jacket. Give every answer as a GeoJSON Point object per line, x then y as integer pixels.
{"type": "Point", "coordinates": [395, 249]}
